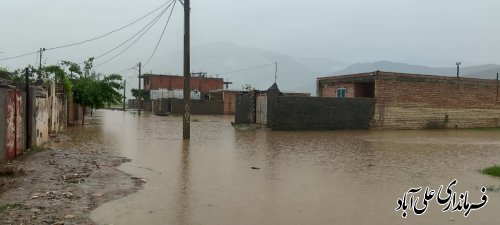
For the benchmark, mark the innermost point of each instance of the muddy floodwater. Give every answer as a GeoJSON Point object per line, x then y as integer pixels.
{"type": "Point", "coordinates": [327, 177]}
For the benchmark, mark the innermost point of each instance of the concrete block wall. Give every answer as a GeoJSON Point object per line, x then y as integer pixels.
{"type": "Point", "coordinates": [160, 105]}
{"type": "Point", "coordinates": [319, 113]}
{"type": "Point", "coordinates": [245, 108]}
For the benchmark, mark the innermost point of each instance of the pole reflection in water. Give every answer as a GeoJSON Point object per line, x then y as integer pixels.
{"type": "Point", "coordinates": [183, 190]}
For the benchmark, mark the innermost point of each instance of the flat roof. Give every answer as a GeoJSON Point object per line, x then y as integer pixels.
{"type": "Point", "coordinates": [229, 90]}
{"type": "Point", "coordinates": [396, 74]}
{"type": "Point", "coordinates": [175, 76]}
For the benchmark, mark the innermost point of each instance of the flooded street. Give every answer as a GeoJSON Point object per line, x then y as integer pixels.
{"type": "Point", "coordinates": [328, 177]}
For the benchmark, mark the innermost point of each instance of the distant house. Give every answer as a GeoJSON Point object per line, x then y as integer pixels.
{"type": "Point", "coordinates": [199, 82]}
{"type": "Point", "coordinates": [167, 93]}
{"type": "Point", "coordinates": [414, 101]}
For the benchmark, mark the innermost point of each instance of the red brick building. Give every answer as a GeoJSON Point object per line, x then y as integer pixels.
{"type": "Point", "coordinates": [412, 101]}
{"type": "Point", "coordinates": [170, 82]}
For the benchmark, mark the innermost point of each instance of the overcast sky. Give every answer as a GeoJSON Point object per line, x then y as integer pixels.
{"type": "Point", "coordinates": [427, 32]}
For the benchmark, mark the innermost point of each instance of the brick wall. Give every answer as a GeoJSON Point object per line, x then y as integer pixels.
{"type": "Point", "coordinates": [229, 99]}
{"type": "Point", "coordinates": [417, 101]}
{"type": "Point", "coordinates": [203, 84]}
{"type": "Point", "coordinates": [330, 90]}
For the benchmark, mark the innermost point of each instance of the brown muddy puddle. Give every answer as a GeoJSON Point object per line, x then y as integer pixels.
{"type": "Point", "coordinates": [330, 177]}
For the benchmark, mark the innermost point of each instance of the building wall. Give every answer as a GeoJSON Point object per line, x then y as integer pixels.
{"type": "Point", "coordinates": [318, 113]}
{"type": "Point", "coordinates": [330, 90]}
{"type": "Point", "coordinates": [42, 115]}
{"type": "Point", "coordinates": [229, 99]}
{"type": "Point", "coordinates": [203, 84]}
{"type": "Point", "coordinates": [74, 112]}
{"type": "Point", "coordinates": [306, 113]}
{"type": "Point", "coordinates": [3, 125]}
{"type": "Point", "coordinates": [160, 106]}
{"type": "Point", "coordinates": [416, 102]}
{"type": "Point", "coordinates": [245, 108]}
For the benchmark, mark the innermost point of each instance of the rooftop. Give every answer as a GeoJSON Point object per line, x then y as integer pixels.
{"type": "Point", "coordinates": [399, 75]}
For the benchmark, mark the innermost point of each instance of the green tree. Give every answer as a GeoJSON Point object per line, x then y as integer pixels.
{"type": "Point", "coordinates": [92, 92]}
{"type": "Point", "coordinates": [247, 87]}
{"type": "Point", "coordinates": [144, 94]}
{"type": "Point", "coordinates": [16, 77]}
{"type": "Point", "coordinates": [60, 76]}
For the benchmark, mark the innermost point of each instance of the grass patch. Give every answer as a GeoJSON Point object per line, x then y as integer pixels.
{"type": "Point", "coordinates": [493, 189]}
{"type": "Point", "coordinates": [9, 206]}
{"type": "Point", "coordinates": [35, 149]}
{"type": "Point", "coordinates": [196, 120]}
{"type": "Point", "coordinates": [240, 125]}
{"type": "Point", "coordinates": [492, 171]}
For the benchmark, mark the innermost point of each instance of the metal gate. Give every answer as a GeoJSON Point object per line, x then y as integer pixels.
{"type": "Point", "coordinates": [14, 122]}
{"type": "Point", "coordinates": [261, 108]}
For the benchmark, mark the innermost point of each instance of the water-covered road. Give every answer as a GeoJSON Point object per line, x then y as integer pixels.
{"type": "Point", "coordinates": [329, 177]}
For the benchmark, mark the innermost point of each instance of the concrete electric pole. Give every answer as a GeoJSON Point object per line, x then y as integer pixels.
{"type": "Point", "coordinates": [186, 129]}
{"type": "Point", "coordinates": [139, 93]}
{"type": "Point", "coordinates": [28, 108]}
{"type": "Point", "coordinates": [458, 68]}
{"type": "Point", "coordinates": [40, 65]}
{"type": "Point", "coordinates": [124, 92]}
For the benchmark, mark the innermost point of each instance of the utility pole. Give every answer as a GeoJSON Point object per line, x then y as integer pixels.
{"type": "Point", "coordinates": [186, 130]}
{"type": "Point", "coordinates": [458, 68]}
{"type": "Point", "coordinates": [40, 64]}
{"type": "Point", "coordinates": [28, 108]}
{"type": "Point", "coordinates": [497, 87]}
{"type": "Point", "coordinates": [124, 89]}
{"type": "Point", "coordinates": [139, 93]}
{"type": "Point", "coordinates": [276, 72]}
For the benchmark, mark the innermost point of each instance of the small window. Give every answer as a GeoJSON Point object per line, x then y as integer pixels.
{"type": "Point", "coordinates": [341, 92]}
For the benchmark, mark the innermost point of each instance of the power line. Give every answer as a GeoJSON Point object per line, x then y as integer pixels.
{"type": "Point", "coordinates": [247, 69]}
{"type": "Point", "coordinates": [126, 41]}
{"type": "Point", "coordinates": [111, 32]}
{"type": "Point", "coordinates": [162, 33]}
{"type": "Point", "coordinates": [92, 39]}
{"type": "Point", "coordinates": [19, 56]}
{"type": "Point", "coordinates": [148, 28]}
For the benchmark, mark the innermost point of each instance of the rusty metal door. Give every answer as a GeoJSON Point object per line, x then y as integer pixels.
{"type": "Point", "coordinates": [14, 124]}
{"type": "Point", "coordinates": [261, 109]}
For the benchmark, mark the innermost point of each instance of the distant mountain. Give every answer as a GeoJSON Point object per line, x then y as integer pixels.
{"type": "Point", "coordinates": [487, 71]}
{"type": "Point", "coordinates": [220, 59]}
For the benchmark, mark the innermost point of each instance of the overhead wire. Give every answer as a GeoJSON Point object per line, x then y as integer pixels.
{"type": "Point", "coordinates": [135, 41]}
{"type": "Point", "coordinates": [19, 56]}
{"type": "Point", "coordinates": [162, 33]}
{"type": "Point", "coordinates": [109, 33]}
{"type": "Point", "coordinates": [88, 40]}
{"type": "Point", "coordinates": [126, 41]}
{"type": "Point", "coordinates": [247, 69]}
